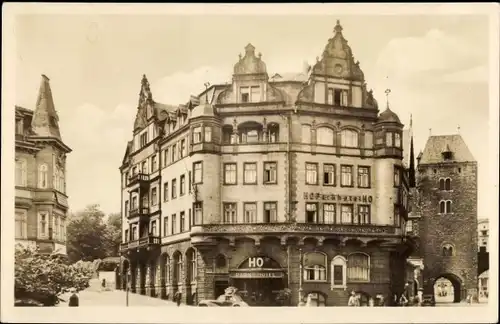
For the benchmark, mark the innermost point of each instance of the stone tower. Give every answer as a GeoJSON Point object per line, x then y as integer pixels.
{"type": "Point", "coordinates": [447, 201]}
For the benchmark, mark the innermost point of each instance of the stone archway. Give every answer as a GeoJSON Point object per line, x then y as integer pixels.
{"type": "Point", "coordinates": [447, 288]}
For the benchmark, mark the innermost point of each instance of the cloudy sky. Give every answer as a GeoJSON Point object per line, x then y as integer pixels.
{"type": "Point", "coordinates": [436, 67]}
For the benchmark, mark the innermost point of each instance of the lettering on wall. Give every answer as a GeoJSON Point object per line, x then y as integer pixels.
{"type": "Point", "coordinates": [337, 198]}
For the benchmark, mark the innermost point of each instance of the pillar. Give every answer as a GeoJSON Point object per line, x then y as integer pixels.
{"type": "Point", "coordinates": [147, 289]}
{"type": "Point", "coordinates": [158, 286]}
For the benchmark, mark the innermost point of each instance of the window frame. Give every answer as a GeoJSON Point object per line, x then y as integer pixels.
{"type": "Point", "coordinates": [328, 139]}
{"type": "Point", "coordinates": [351, 184]}
{"type": "Point", "coordinates": [182, 185]}
{"type": "Point", "coordinates": [197, 206]}
{"type": "Point", "coordinates": [173, 193]}
{"type": "Point", "coordinates": [197, 131]}
{"type": "Point", "coordinates": [195, 181]}
{"type": "Point", "coordinates": [368, 212]}
{"type": "Point", "coordinates": [165, 226]}
{"type": "Point", "coordinates": [368, 174]}
{"type": "Point", "coordinates": [154, 196]}
{"type": "Point", "coordinates": [316, 170]}
{"type": "Point", "coordinates": [338, 260]}
{"type": "Point", "coordinates": [182, 221]}
{"type": "Point", "coordinates": [316, 208]}
{"type": "Point", "coordinates": [165, 191]}
{"type": "Point", "coordinates": [234, 217]}
{"type": "Point", "coordinates": [334, 211]}
{"type": "Point", "coordinates": [23, 220]}
{"type": "Point", "coordinates": [334, 172]}
{"type": "Point", "coordinates": [255, 210]}
{"type": "Point", "coordinates": [226, 164]}
{"type": "Point", "coordinates": [346, 135]}
{"type": "Point", "coordinates": [270, 163]}
{"type": "Point", "coordinates": [207, 130]}
{"type": "Point", "coordinates": [368, 269]}
{"type": "Point", "coordinates": [275, 203]}
{"type": "Point", "coordinates": [341, 216]}
{"type": "Point", "coordinates": [245, 164]}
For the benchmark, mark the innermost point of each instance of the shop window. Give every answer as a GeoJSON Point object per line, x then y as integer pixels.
{"type": "Point", "coordinates": [314, 266]}
{"type": "Point", "coordinates": [358, 267]}
{"type": "Point", "coordinates": [338, 272]}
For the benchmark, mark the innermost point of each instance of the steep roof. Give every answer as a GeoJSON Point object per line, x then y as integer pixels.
{"type": "Point", "coordinates": [45, 119]}
{"type": "Point", "coordinates": [436, 145]}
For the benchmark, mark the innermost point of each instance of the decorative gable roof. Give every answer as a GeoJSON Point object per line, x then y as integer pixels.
{"type": "Point", "coordinates": [250, 64]}
{"type": "Point", "coordinates": [437, 145]}
{"type": "Point", "coordinates": [337, 59]}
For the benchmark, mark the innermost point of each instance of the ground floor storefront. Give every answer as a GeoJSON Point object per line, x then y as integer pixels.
{"type": "Point", "coordinates": [272, 271]}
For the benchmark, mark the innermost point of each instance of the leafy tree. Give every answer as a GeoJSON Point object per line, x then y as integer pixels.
{"type": "Point", "coordinates": [114, 227]}
{"type": "Point", "coordinates": [88, 237]}
{"type": "Point", "coordinates": [41, 278]}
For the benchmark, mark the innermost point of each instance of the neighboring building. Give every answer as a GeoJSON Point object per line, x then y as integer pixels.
{"type": "Point", "coordinates": [483, 284]}
{"type": "Point", "coordinates": [483, 234]}
{"type": "Point", "coordinates": [41, 203]}
{"type": "Point", "coordinates": [446, 214]}
{"type": "Point", "coordinates": [291, 182]}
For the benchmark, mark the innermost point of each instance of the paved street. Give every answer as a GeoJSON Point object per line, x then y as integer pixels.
{"type": "Point", "coordinates": [95, 296]}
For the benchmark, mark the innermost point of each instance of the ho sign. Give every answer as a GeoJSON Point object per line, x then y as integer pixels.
{"type": "Point", "coordinates": [255, 262]}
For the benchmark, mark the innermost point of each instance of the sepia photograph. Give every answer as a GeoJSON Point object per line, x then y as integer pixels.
{"type": "Point", "coordinates": [252, 156]}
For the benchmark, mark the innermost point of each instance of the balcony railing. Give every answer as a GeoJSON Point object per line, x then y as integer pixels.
{"type": "Point", "coordinates": [138, 212]}
{"type": "Point", "coordinates": [299, 228]}
{"type": "Point", "coordinates": [142, 243]}
{"type": "Point", "coordinates": [140, 178]}
{"type": "Point", "coordinates": [21, 137]}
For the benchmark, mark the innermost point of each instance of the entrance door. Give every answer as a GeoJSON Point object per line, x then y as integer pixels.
{"type": "Point", "coordinates": [220, 287]}
{"type": "Point", "coordinates": [260, 291]}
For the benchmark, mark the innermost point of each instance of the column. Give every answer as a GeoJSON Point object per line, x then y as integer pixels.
{"type": "Point", "coordinates": [148, 279]}
{"type": "Point", "coordinates": [158, 287]}
{"type": "Point", "coordinates": [135, 277]}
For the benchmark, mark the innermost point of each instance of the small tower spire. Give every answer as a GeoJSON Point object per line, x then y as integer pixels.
{"type": "Point", "coordinates": [45, 119]}
{"type": "Point", "coordinates": [206, 84]}
{"type": "Point", "coordinates": [387, 92]}
{"type": "Point", "coordinates": [338, 28]}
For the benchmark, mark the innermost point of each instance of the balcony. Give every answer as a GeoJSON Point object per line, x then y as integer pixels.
{"type": "Point", "coordinates": [138, 178]}
{"type": "Point", "coordinates": [144, 243]}
{"type": "Point", "coordinates": [140, 212]}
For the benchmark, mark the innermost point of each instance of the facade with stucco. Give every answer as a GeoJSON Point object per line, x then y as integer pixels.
{"type": "Point", "coordinates": [267, 183]}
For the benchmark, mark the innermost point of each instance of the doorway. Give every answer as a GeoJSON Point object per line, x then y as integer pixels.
{"type": "Point", "coordinates": [447, 289]}
{"type": "Point", "coordinates": [260, 291]}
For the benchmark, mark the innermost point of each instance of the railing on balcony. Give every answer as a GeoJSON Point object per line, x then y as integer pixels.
{"type": "Point", "coordinates": [21, 137]}
{"type": "Point", "coordinates": [144, 242]}
{"type": "Point", "coordinates": [138, 211]}
{"type": "Point", "coordinates": [138, 178]}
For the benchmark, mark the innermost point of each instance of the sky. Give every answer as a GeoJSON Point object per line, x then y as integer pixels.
{"type": "Point", "coordinates": [436, 68]}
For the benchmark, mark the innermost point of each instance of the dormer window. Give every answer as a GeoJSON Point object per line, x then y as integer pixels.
{"type": "Point", "coordinates": [447, 154]}
{"type": "Point", "coordinates": [250, 94]}
{"type": "Point", "coordinates": [337, 97]}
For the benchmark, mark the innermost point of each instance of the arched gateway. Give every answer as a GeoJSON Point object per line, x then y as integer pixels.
{"type": "Point", "coordinates": [259, 280]}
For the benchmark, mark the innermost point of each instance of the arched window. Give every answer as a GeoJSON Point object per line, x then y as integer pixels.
{"type": "Point", "coordinates": [447, 184]}
{"type": "Point", "coordinates": [191, 263]}
{"type": "Point", "coordinates": [21, 172]}
{"type": "Point", "coordinates": [177, 264]}
{"type": "Point", "coordinates": [448, 206]}
{"type": "Point", "coordinates": [43, 176]}
{"type": "Point", "coordinates": [442, 207]}
{"type": "Point", "coordinates": [338, 272]}
{"type": "Point", "coordinates": [358, 267]}
{"type": "Point", "coordinates": [306, 134]}
{"type": "Point", "coordinates": [324, 136]}
{"type": "Point", "coordinates": [441, 184]}
{"type": "Point", "coordinates": [349, 138]}
{"type": "Point", "coordinates": [314, 266]}
{"type": "Point", "coordinates": [447, 250]}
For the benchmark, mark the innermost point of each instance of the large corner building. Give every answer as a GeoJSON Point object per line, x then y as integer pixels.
{"type": "Point", "coordinates": [293, 181]}
{"type": "Point", "coordinates": [41, 203]}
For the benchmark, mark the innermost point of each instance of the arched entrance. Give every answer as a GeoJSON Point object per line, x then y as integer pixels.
{"type": "Point", "coordinates": [191, 276]}
{"type": "Point", "coordinates": [447, 289]}
{"type": "Point", "coordinates": [315, 299]}
{"type": "Point", "coordinates": [164, 275]}
{"type": "Point", "coordinates": [259, 280]}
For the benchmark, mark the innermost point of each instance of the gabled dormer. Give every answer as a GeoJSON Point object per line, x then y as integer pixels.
{"type": "Point", "coordinates": [250, 82]}
{"type": "Point", "coordinates": [337, 79]}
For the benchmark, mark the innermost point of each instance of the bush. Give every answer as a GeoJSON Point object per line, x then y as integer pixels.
{"type": "Point", "coordinates": [43, 277]}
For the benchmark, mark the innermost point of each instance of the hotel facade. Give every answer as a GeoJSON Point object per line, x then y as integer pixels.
{"type": "Point", "coordinates": [41, 202]}
{"type": "Point", "coordinates": [267, 183]}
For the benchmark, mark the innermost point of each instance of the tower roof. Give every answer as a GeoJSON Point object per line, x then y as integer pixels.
{"type": "Point", "coordinates": [388, 116]}
{"type": "Point", "coordinates": [436, 145]}
{"type": "Point", "coordinates": [250, 64]}
{"type": "Point", "coordinates": [45, 121]}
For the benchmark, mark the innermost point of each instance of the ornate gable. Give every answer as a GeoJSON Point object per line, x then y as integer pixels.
{"type": "Point", "coordinates": [145, 105]}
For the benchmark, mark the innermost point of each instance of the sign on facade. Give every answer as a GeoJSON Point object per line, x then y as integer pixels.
{"type": "Point", "coordinates": [338, 198]}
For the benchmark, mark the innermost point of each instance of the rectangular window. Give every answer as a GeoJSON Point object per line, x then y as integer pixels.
{"type": "Point", "coordinates": [397, 219]}
{"type": "Point", "coordinates": [144, 167]}
{"type": "Point", "coordinates": [165, 226]}
{"type": "Point", "coordinates": [329, 174]}
{"type": "Point", "coordinates": [397, 177]}
{"type": "Point", "coordinates": [311, 213]}
{"type": "Point", "coordinates": [409, 226]}
{"type": "Point", "coordinates": [270, 212]}
{"type": "Point", "coordinates": [154, 163]}
{"type": "Point", "coordinates": [245, 94]}
{"type": "Point", "coordinates": [364, 217]}
{"type": "Point", "coordinates": [182, 148]}
{"type": "Point", "coordinates": [346, 211]}
{"type": "Point", "coordinates": [21, 227]}
{"type": "Point", "coordinates": [346, 173]}
{"type": "Point", "coordinates": [165, 157]}
{"type": "Point", "coordinates": [126, 207]}
{"type": "Point", "coordinates": [154, 196]}
{"type": "Point", "coordinates": [315, 273]}
{"type": "Point", "coordinates": [338, 275]}
{"type": "Point", "coordinates": [135, 236]}
{"type": "Point", "coordinates": [165, 191]}
{"type": "Point", "coordinates": [153, 229]}
{"type": "Point", "coordinates": [43, 224]}
{"type": "Point", "coordinates": [337, 97]}
{"type": "Point", "coordinates": [197, 135]}
{"type": "Point", "coordinates": [230, 173]}
{"type": "Point", "coordinates": [174, 188]}
{"type": "Point", "coordinates": [135, 203]}
{"type": "Point", "coordinates": [229, 213]}
{"type": "Point", "coordinates": [388, 139]}
{"type": "Point", "coordinates": [312, 173]}
{"type": "Point", "coordinates": [208, 134]}
{"type": "Point", "coordinates": [330, 96]}
{"type": "Point", "coordinates": [198, 172]}
{"type": "Point", "coordinates": [144, 139]}
{"type": "Point", "coordinates": [174, 224]}
{"type": "Point", "coordinates": [250, 212]}
{"type": "Point", "coordinates": [183, 185]}
{"type": "Point", "coordinates": [329, 213]}
{"type": "Point", "coordinates": [270, 172]}
{"type": "Point", "coordinates": [198, 213]}
{"type": "Point", "coordinates": [363, 177]}
{"type": "Point", "coordinates": [397, 140]}
{"type": "Point", "coordinates": [125, 236]}
{"type": "Point", "coordinates": [182, 221]}
{"type": "Point", "coordinates": [174, 153]}
{"type": "Point", "coordinates": [250, 173]}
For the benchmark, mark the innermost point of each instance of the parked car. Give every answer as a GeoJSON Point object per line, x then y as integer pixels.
{"type": "Point", "coordinates": [428, 300]}
{"type": "Point", "coordinates": [224, 301]}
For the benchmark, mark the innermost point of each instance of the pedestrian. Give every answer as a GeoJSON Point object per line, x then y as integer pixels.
{"type": "Point", "coordinates": [353, 300]}
{"type": "Point", "coordinates": [469, 299]}
{"type": "Point", "coordinates": [103, 283]}
{"type": "Point", "coordinates": [371, 302]}
{"type": "Point", "coordinates": [73, 299]}
{"type": "Point", "coordinates": [178, 297]}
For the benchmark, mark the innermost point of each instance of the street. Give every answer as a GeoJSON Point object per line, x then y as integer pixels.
{"type": "Point", "coordinates": [95, 296]}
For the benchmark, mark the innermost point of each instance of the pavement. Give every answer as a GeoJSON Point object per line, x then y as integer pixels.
{"type": "Point", "coordinates": [95, 295]}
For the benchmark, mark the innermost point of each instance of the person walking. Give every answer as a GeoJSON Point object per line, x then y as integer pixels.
{"type": "Point", "coordinates": [353, 300]}
{"type": "Point", "coordinates": [73, 299]}
{"type": "Point", "coordinates": [178, 297]}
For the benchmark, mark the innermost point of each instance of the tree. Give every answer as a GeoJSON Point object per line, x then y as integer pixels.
{"type": "Point", "coordinates": [41, 278]}
{"type": "Point", "coordinates": [114, 227]}
{"type": "Point", "coordinates": [88, 237]}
